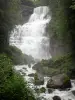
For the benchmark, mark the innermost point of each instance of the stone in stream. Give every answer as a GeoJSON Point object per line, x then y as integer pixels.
{"type": "Point", "coordinates": [31, 75]}
{"type": "Point", "coordinates": [73, 92]}
{"type": "Point", "coordinates": [60, 81]}
{"type": "Point", "coordinates": [42, 90]}
{"type": "Point", "coordinates": [50, 90]}
{"type": "Point", "coordinates": [38, 79]}
{"type": "Point", "coordinates": [22, 73]}
{"type": "Point", "coordinates": [41, 98]}
{"type": "Point", "coordinates": [56, 98]}
{"type": "Point", "coordinates": [24, 68]}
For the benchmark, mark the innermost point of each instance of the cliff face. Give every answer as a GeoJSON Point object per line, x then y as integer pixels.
{"type": "Point", "coordinates": [27, 7]}
{"type": "Point", "coordinates": [58, 48]}
{"type": "Point", "coordinates": [12, 12]}
{"type": "Point", "coordinates": [26, 12]}
{"type": "Point", "coordinates": [59, 28]}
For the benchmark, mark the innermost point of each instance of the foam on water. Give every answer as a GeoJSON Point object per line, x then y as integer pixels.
{"type": "Point", "coordinates": [64, 95]}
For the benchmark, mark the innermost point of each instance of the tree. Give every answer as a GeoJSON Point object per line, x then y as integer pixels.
{"type": "Point", "coordinates": [9, 16]}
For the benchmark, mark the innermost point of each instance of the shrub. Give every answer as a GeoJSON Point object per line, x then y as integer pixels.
{"type": "Point", "coordinates": [5, 68]}
{"type": "Point", "coordinates": [12, 85]}
{"type": "Point", "coordinates": [16, 89]}
{"type": "Point", "coordinates": [17, 57]}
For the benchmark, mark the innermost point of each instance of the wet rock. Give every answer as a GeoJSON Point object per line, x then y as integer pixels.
{"type": "Point", "coordinates": [31, 80]}
{"type": "Point", "coordinates": [73, 92]}
{"type": "Point", "coordinates": [50, 90]}
{"type": "Point", "coordinates": [38, 79]}
{"type": "Point", "coordinates": [29, 65]}
{"type": "Point", "coordinates": [42, 90]}
{"type": "Point", "coordinates": [24, 68]}
{"type": "Point", "coordinates": [41, 98]}
{"type": "Point", "coordinates": [56, 98]}
{"type": "Point", "coordinates": [60, 81]}
{"type": "Point", "coordinates": [67, 89]}
{"type": "Point", "coordinates": [23, 73]}
{"type": "Point", "coordinates": [31, 75]}
{"type": "Point", "coordinates": [20, 70]}
{"type": "Point", "coordinates": [37, 90]}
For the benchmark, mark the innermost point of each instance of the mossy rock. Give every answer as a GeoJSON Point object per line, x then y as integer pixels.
{"type": "Point", "coordinates": [60, 81]}
{"type": "Point", "coordinates": [42, 90]}
{"type": "Point", "coordinates": [17, 57]}
{"type": "Point", "coordinates": [56, 98]}
{"type": "Point", "coordinates": [38, 79]}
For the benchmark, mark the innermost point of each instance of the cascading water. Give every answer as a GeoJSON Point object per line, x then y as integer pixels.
{"type": "Point", "coordinates": [30, 37]}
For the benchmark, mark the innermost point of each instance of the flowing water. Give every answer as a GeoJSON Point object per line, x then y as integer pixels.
{"type": "Point", "coordinates": [31, 38]}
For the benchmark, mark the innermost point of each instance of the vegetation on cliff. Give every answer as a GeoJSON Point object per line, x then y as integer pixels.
{"type": "Point", "coordinates": [17, 57]}
{"type": "Point", "coordinates": [55, 66]}
{"type": "Point", "coordinates": [12, 85]}
{"type": "Point", "coordinates": [10, 15]}
{"type": "Point", "coordinates": [61, 31]}
{"type": "Point", "coordinates": [61, 27]}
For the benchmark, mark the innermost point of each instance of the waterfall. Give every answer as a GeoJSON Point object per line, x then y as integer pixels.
{"type": "Point", "coordinates": [30, 37]}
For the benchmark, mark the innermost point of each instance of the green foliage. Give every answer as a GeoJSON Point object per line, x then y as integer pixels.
{"type": "Point", "coordinates": [9, 16]}
{"type": "Point", "coordinates": [42, 90]}
{"type": "Point", "coordinates": [41, 2]}
{"type": "Point", "coordinates": [66, 79]}
{"type": "Point", "coordinates": [12, 85]}
{"type": "Point", "coordinates": [5, 68]}
{"type": "Point", "coordinates": [35, 77]}
{"type": "Point", "coordinates": [73, 4]}
{"type": "Point", "coordinates": [60, 23]}
{"type": "Point", "coordinates": [14, 11]}
{"type": "Point", "coordinates": [16, 88]}
{"type": "Point", "coordinates": [28, 2]}
{"type": "Point", "coordinates": [61, 27]}
{"type": "Point", "coordinates": [54, 66]}
{"type": "Point", "coordinates": [17, 56]}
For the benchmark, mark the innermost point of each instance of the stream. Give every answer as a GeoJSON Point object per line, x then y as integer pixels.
{"type": "Point", "coordinates": [64, 95]}
{"type": "Point", "coordinates": [32, 39]}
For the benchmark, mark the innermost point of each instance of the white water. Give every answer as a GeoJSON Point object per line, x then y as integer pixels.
{"type": "Point", "coordinates": [30, 37]}
{"type": "Point", "coordinates": [64, 95]}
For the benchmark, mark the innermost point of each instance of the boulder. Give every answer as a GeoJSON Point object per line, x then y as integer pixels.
{"type": "Point", "coordinates": [42, 90]}
{"type": "Point", "coordinates": [73, 92]}
{"type": "Point", "coordinates": [38, 79]}
{"type": "Point", "coordinates": [50, 90]}
{"type": "Point", "coordinates": [60, 81]}
{"type": "Point", "coordinates": [31, 75]}
{"type": "Point", "coordinates": [56, 98]}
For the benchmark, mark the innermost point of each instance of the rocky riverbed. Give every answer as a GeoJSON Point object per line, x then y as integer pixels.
{"type": "Point", "coordinates": [42, 91]}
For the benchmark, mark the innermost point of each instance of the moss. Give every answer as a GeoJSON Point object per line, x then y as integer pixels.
{"type": "Point", "coordinates": [35, 78]}
{"type": "Point", "coordinates": [42, 90]}
{"type": "Point", "coordinates": [66, 79]}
